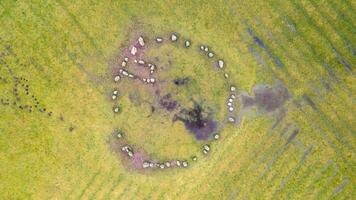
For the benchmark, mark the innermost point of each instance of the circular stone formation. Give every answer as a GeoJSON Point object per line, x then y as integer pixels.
{"type": "Point", "coordinates": [135, 67]}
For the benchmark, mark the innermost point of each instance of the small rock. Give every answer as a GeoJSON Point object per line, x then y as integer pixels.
{"type": "Point", "coordinates": [220, 63]}
{"type": "Point", "coordinates": [152, 165]}
{"type": "Point", "coordinates": [187, 43]}
{"type": "Point", "coordinates": [185, 164]}
{"type": "Point", "coordinates": [232, 88]}
{"type": "Point", "coordinates": [231, 100]}
{"type": "Point", "coordinates": [168, 164]}
{"type": "Point", "coordinates": [119, 135]}
{"type": "Point", "coordinates": [123, 64]}
{"type": "Point", "coordinates": [130, 153]}
{"type": "Point", "coordinates": [231, 108]}
{"type": "Point", "coordinates": [133, 51]}
{"type": "Point", "coordinates": [226, 75]}
{"type": "Point", "coordinates": [145, 164]}
{"type": "Point", "coordinates": [135, 61]}
{"type": "Point", "coordinates": [174, 37]}
{"type": "Point", "coordinates": [125, 73]}
{"type": "Point", "coordinates": [152, 80]}
{"type": "Point", "coordinates": [210, 54]}
{"type": "Point", "coordinates": [117, 78]}
{"type": "Point", "coordinates": [115, 92]}
{"type": "Point", "coordinates": [231, 119]}
{"type": "Point", "coordinates": [206, 49]}
{"type": "Point", "coordinates": [178, 163]}
{"type": "Point", "coordinates": [159, 39]}
{"type": "Point", "coordinates": [206, 147]}
{"type": "Point", "coordinates": [202, 47]}
{"type": "Point", "coordinates": [194, 158]}
{"type": "Point", "coordinates": [229, 104]}
{"type": "Point", "coordinates": [216, 136]}
{"type": "Point", "coordinates": [126, 59]}
{"type": "Point", "coordinates": [151, 71]}
{"type": "Point", "coordinates": [116, 109]}
{"type": "Point", "coordinates": [152, 67]}
{"type": "Point", "coordinates": [161, 166]}
{"type": "Point", "coordinates": [131, 76]}
{"type": "Point", "coordinates": [205, 151]}
{"type": "Point", "coordinates": [141, 41]}
{"type": "Point", "coordinates": [232, 96]}
{"type": "Point", "coordinates": [141, 62]}
{"type": "Point", "coordinates": [114, 97]}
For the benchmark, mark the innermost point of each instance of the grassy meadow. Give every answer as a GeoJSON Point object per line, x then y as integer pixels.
{"type": "Point", "coordinates": [65, 49]}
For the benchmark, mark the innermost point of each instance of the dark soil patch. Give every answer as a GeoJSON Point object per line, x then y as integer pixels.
{"type": "Point", "coordinates": [168, 103]}
{"type": "Point", "coordinates": [266, 98]}
{"type": "Point", "coordinates": [197, 121]}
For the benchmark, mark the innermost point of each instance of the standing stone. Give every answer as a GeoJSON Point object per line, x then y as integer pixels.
{"type": "Point", "coordinates": [221, 64]}
{"type": "Point", "coordinates": [133, 50]}
{"type": "Point", "coordinates": [174, 37]}
{"type": "Point", "coordinates": [231, 119]}
{"type": "Point", "coordinates": [159, 40]}
{"type": "Point", "coordinates": [187, 43]}
{"type": "Point", "coordinates": [141, 41]}
{"type": "Point", "coordinates": [185, 164]}
{"type": "Point", "coordinates": [117, 78]}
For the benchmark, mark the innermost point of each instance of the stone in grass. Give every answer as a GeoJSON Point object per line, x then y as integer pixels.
{"type": "Point", "coordinates": [161, 166]}
{"type": "Point", "coordinates": [226, 75]}
{"type": "Point", "coordinates": [116, 109]}
{"type": "Point", "coordinates": [206, 147]}
{"type": "Point", "coordinates": [187, 43]}
{"type": "Point", "coordinates": [123, 64]}
{"type": "Point", "coordinates": [231, 119]}
{"type": "Point", "coordinates": [221, 64]}
{"type": "Point", "coordinates": [185, 164]}
{"type": "Point", "coordinates": [168, 164]}
{"type": "Point", "coordinates": [133, 50]}
{"type": "Point", "coordinates": [206, 49]}
{"type": "Point", "coordinates": [159, 39]}
{"type": "Point", "coordinates": [178, 163]}
{"type": "Point", "coordinates": [174, 37]}
{"type": "Point", "coordinates": [205, 152]}
{"type": "Point", "coordinates": [194, 158]}
{"type": "Point", "coordinates": [216, 136]}
{"type": "Point", "coordinates": [210, 54]}
{"type": "Point", "coordinates": [115, 92]}
{"type": "Point", "coordinates": [117, 78]}
{"type": "Point", "coordinates": [141, 42]}
{"type": "Point", "coordinates": [231, 108]}
{"type": "Point", "coordinates": [119, 134]}
{"type": "Point", "coordinates": [113, 97]}
{"type": "Point", "coordinates": [145, 164]}
{"type": "Point", "coordinates": [232, 88]}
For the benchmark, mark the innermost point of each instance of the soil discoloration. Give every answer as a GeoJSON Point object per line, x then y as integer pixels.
{"type": "Point", "coordinates": [168, 103]}
{"type": "Point", "coordinates": [181, 81]}
{"type": "Point", "coordinates": [197, 121]}
{"type": "Point", "coordinates": [266, 98]}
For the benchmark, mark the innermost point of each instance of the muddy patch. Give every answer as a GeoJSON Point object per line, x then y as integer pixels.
{"type": "Point", "coordinates": [168, 103]}
{"type": "Point", "coordinates": [198, 121]}
{"type": "Point", "coordinates": [181, 81]}
{"type": "Point", "coordinates": [266, 98]}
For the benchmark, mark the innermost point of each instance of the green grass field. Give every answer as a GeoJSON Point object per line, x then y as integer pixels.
{"type": "Point", "coordinates": [65, 50]}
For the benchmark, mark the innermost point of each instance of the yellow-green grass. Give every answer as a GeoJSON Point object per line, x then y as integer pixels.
{"type": "Point", "coordinates": [66, 48]}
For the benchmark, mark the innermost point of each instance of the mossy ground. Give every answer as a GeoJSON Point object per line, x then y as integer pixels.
{"type": "Point", "coordinates": [65, 48]}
